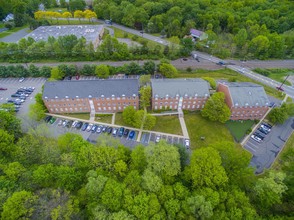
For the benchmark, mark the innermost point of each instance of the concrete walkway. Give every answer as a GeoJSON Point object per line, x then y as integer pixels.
{"type": "Point", "coordinates": [183, 124]}
{"type": "Point", "coordinates": [165, 113]}
{"type": "Point", "coordinates": [113, 119]}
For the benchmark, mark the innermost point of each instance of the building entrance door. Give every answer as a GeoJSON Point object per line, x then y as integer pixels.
{"type": "Point", "coordinates": [180, 103]}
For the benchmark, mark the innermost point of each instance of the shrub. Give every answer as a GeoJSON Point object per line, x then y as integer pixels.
{"type": "Point", "coordinates": [189, 69]}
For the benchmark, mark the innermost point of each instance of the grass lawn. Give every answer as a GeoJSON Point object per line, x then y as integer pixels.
{"type": "Point", "coordinates": [85, 116]}
{"type": "Point", "coordinates": [9, 32]}
{"type": "Point", "coordinates": [105, 118]}
{"type": "Point", "coordinates": [198, 127]}
{"type": "Point", "coordinates": [228, 74]}
{"type": "Point", "coordinates": [168, 124]}
{"type": "Point", "coordinates": [119, 120]}
{"type": "Point", "coordinates": [289, 144]}
{"type": "Point", "coordinates": [238, 128]}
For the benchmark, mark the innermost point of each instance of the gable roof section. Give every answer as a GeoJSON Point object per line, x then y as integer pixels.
{"type": "Point", "coordinates": [247, 94]}
{"type": "Point", "coordinates": [93, 88]}
{"type": "Point", "coordinates": [173, 87]}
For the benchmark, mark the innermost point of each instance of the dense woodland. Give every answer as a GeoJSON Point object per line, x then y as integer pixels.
{"type": "Point", "coordinates": [244, 29]}
{"type": "Point", "coordinates": [69, 178]}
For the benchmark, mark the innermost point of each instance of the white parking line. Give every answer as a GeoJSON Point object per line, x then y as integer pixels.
{"type": "Point", "coordinates": [250, 148]}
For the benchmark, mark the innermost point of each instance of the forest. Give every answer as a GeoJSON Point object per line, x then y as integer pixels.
{"type": "Point", "coordinates": [69, 178]}
{"type": "Point", "coordinates": [247, 29]}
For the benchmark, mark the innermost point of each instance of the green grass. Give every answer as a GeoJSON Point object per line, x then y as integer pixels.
{"type": "Point", "coordinates": [105, 118]}
{"type": "Point", "coordinates": [119, 120]}
{"type": "Point", "coordinates": [289, 144]}
{"type": "Point", "coordinates": [238, 128]}
{"type": "Point", "coordinates": [276, 74]}
{"type": "Point", "coordinates": [289, 99]}
{"type": "Point", "coordinates": [13, 30]}
{"type": "Point", "coordinates": [168, 124]}
{"type": "Point", "coordinates": [198, 127]}
{"type": "Point", "coordinates": [85, 116]}
{"type": "Point", "coordinates": [228, 74]}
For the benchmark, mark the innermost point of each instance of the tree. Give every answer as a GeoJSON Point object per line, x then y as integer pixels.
{"type": "Point", "coordinates": [151, 182]}
{"type": "Point", "coordinates": [78, 14]}
{"type": "Point", "coordinates": [10, 123]}
{"type": "Point", "coordinates": [138, 159]}
{"type": "Point", "coordinates": [67, 15]}
{"type": "Point", "coordinates": [187, 46]}
{"type": "Point", "coordinates": [269, 190]}
{"type": "Point", "coordinates": [260, 46]}
{"type": "Point", "coordinates": [144, 79]}
{"type": "Point", "coordinates": [199, 207]}
{"type": "Point", "coordinates": [37, 111]}
{"type": "Point", "coordinates": [128, 115]}
{"type": "Point", "coordinates": [102, 71]}
{"type": "Point", "coordinates": [149, 67]}
{"type": "Point", "coordinates": [150, 122]}
{"type": "Point", "coordinates": [206, 169]}
{"type": "Point", "coordinates": [57, 74]}
{"type": "Point", "coordinates": [89, 14]}
{"type": "Point", "coordinates": [278, 115]}
{"type": "Point", "coordinates": [211, 81]}
{"type": "Point", "coordinates": [7, 147]}
{"type": "Point", "coordinates": [19, 205]}
{"type": "Point", "coordinates": [145, 96]}
{"type": "Point", "coordinates": [168, 70]}
{"type": "Point", "coordinates": [163, 159]}
{"type": "Point", "coordinates": [215, 108]}
{"type": "Point", "coordinates": [77, 5]}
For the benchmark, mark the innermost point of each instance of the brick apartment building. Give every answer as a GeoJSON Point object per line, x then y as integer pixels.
{"type": "Point", "coordinates": [91, 95]}
{"type": "Point", "coordinates": [186, 94]}
{"type": "Point", "coordinates": [245, 100]}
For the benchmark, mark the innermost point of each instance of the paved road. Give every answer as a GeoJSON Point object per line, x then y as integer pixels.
{"type": "Point", "coordinates": [15, 36]}
{"type": "Point", "coordinates": [265, 153]}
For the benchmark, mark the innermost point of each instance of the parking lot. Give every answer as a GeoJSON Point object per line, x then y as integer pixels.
{"type": "Point", "coordinates": [149, 137]}
{"type": "Point", "coordinates": [13, 84]}
{"type": "Point", "coordinates": [265, 151]}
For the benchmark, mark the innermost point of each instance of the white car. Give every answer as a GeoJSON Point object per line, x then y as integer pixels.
{"type": "Point", "coordinates": [114, 132]}
{"type": "Point", "coordinates": [89, 127]}
{"type": "Point", "coordinates": [60, 122]}
{"type": "Point", "coordinates": [187, 143]}
{"type": "Point", "coordinates": [64, 123]}
{"type": "Point", "coordinates": [99, 129]}
{"type": "Point", "coordinates": [74, 124]}
{"type": "Point", "coordinates": [21, 79]}
{"type": "Point", "coordinates": [20, 100]}
{"type": "Point", "coordinates": [157, 139]}
{"type": "Point", "coordinates": [257, 139]}
{"type": "Point", "coordinates": [265, 127]}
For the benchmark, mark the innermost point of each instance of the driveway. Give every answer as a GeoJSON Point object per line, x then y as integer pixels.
{"type": "Point", "coordinates": [15, 36]}
{"type": "Point", "coordinates": [265, 153]}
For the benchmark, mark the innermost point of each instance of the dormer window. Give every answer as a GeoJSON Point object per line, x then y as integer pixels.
{"type": "Point", "coordinates": [90, 96]}
{"type": "Point", "coordinates": [56, 97]}
{"type": "Point", "coordinates": [66, 97]}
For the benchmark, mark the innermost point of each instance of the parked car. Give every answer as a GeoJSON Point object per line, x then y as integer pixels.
{"type": "Point", "coordinates": [64, 123]}
{"type": "Point", "coordinates": [10, 101]}
{"type": "Point", "coordinates": [74, 124]}
{"type": "Point", "coordinates": [52, 120]}
{"type": "Point", "coordinates": [15, 95]}
{"type": "Point", "coordinates": [47, 118]}
{"type": "Point", "coordinates": [69, 123]}
{"type": "Point", "coordinates": [104, 129]}
{"type": "Point", "coordinates": [257, 139]}
{"type": "Point", "coordinates": [60, 122]}
{"type": "Point", "coordinates": [131, 135]}
{"type": "Point", "coordinates": [109, 130]}
{"type": "Point", "coordinates": [265, 127]}
{"type": "Point", "coordinates": [79, 125]}
{"type": "Point", "coordinates": [259, 135]}
{"type": "Point", "coordinates": [84, 127]}
{"type": "Point", "coordinates": [262, 130]}
{"type": "Point", "coordinates": [157, 139]}
{"type": "Point", "coordinates": [114, 132]}
{"type": "Point", "coordinates": [89, 127]}
{"type": "Point", "coordinates": [20, 100]}
{"type": "Point", "coordinates": [21, 79]}
{"type": "Point", "coordinates": [221, 63]}
{"type": "Point", "coordinates": [99, 129]}
{"type": "Point", "coordinates": [1, 88]}
{"type": "Point", "coordinates": [121, 131]}
{"type": "Point", "coordinates": [94, 128]}
{"type": "Point", "coordinates": [126, 133]}
{"type": "Point", "coordinates": [187, 143]}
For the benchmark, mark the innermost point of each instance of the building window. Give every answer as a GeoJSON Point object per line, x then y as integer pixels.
{"type": "Point", "coordinates": [155, 107]}
{"type": "Point", "coordinates": [109, 108]}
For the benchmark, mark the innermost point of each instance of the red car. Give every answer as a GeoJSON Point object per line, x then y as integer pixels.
{"type": "Point", "coordinates": [1, 88]}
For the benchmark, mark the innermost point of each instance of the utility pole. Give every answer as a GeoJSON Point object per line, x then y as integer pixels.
{"type": "Point", "coordinates": [280, 87]}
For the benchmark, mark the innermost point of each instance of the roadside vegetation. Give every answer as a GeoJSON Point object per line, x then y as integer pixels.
{"type": "Point", "coordinates": [84, 116]}
{"type": "Point", "coordinates": [168, 124]}
{"type": "Point", "coordinates": [105, 118]}
{"type": "Point", "coordinates": [276, 74]}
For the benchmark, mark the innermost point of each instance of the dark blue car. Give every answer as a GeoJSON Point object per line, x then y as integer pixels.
{"type": "Point", "coordinates": [131, 134]}
{"type": "Point", "coordinates": [84, 127]}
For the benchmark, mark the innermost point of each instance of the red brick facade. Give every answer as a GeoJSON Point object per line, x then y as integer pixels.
{"type": "Point", "coordinates": [188, 103]}
{"type": "Point", "coordinates": [105, 105]}
{"type": "Point", "coordinates": [243, 112]}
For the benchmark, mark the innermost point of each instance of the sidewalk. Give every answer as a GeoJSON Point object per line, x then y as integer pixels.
{"type": "Point", "coordinates": [183, 124]}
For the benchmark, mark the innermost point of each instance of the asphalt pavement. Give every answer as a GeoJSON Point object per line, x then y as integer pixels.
{"type": "Point", "coordinates": [265, 152]}
{"type": "Point", "coordinates": [15, 36]}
